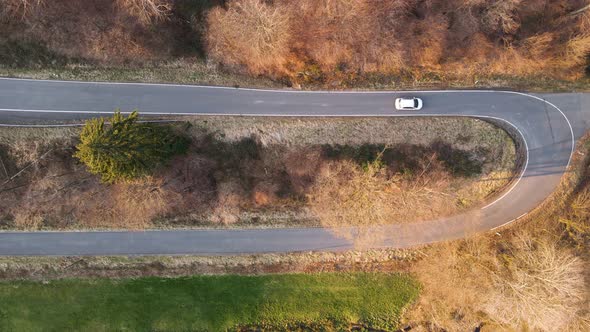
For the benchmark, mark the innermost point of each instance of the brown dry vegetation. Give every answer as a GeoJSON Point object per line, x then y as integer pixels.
{"type": "Point", "coordinates": [347, 194]}
{"type": "Point", "coordinates": [19, 9]}
{"type": "Point", "coordinates": [527, 280]}
{"type": "Point", "coordinates": [544, 287]}
{"type": "Point", "coordinates": [253, 32]}
{"type": "Point", "coordinates": [342, 40]}
{"type": "Point", "coordinates": [90, 32]}
{"type": "Point", "coordinates": [533, 276]}
{"type": "Point", "coordinates": [328, 43]}
{"type": "Point", "coordinates": [352, 198]}
{"type": "Point", "coordinates": [146, 11]}
{"type": "Point", "coordinates": [254, 172]}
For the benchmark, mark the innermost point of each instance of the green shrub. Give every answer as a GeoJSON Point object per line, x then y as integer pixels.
{"type": "Point", "coordinates": [126, 149]}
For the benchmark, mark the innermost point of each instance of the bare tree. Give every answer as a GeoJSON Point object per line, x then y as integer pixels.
{"type": "Point", "coordinates": [251, 33]}
{"type": "Point", "coordinates": [499, 16]}
{"type": "Point", "coordinates": [146, 11]}
{"type": "Point", "coordinates": [18, 9]}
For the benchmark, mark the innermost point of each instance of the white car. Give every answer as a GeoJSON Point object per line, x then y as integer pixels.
{"type": "Point", "coordinates": [408, 104]}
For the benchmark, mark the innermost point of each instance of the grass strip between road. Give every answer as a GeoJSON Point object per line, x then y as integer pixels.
{"type": "Point", "coordinates": [207, 303]}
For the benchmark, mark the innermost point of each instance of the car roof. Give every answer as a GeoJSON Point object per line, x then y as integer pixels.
{"type": "Point", "coordinates": [407, 102]}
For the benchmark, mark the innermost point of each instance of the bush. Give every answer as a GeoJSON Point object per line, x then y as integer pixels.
{"type": "Point", "coordinates": [524, 281]}
{"type": "Point", "coordinates": [249, 33]}
{"type": "Point", "coordinates": [354, 200]}
{"type": "Point", "coordinates": [542, 289]}
{"type": "Point", "coordinates": [126, 149]}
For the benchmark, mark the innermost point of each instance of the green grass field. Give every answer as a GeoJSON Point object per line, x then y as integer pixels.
{"type": "Point", "coordinates": [206, 303]}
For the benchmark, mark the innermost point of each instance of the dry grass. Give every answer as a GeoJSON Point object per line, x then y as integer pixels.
{"type": "Point", "coordinates": [330, 43]}
{"type": "Point", "coordinates": [27, 221]}
{"type": "Point", "coordinates": [92, 32]}
{"type": "Point", "coordinates": [576, 221]}
{"type": "Point", "coordinates": [577, 49]}
{"type": "Point", "coordinates": [230, 196]}
{"type": "Point", "coordinates": [346, 195]}
{"type": "Point", "coordinates": [534, 283]}
{"type": "Point", "coordinates": [500, 17]}
{"type": "Point", "coordinates": [133, 205]}
{"type": "Point", "coordinates": [455, 280]}
{"type": "Point", "coordinates": [486, 186]}
{"type": "Point", "coordinates": [46, 268]}
{"type": "Point", "coordinates": [302, 167]}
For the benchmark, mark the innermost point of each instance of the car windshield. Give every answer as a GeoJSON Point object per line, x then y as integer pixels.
{"type": "Point", "coordinates": [416, 103]}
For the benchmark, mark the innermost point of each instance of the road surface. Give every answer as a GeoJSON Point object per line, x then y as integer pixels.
{"type": "Point", "coordinates": [548, 125]}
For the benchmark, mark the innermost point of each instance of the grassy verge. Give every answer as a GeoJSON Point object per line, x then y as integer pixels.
{"type": "Point", "coordinates": [196, 71]}
{"type": "Point", "coordinates": [207, 303]}
{"type": "Point", "coordinates": [182, 71]}
{"type": "Point", "coordinates": [46, 268]}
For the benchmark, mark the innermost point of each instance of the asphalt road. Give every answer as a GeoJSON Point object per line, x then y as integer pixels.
{"type": "Point", "coordinates": [541, 121]}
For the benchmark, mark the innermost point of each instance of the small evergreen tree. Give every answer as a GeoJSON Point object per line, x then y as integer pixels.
{"type": "Point", "coordinates": [126, 149]}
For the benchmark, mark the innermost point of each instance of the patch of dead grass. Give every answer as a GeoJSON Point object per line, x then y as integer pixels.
{"type": "Point", "coordinates": [525, 281]}
{"type": "Point", "coordinates": [337, 41]}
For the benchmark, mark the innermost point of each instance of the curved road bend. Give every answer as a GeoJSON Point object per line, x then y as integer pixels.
{"type": "Point", "coordinates": [544, 127]}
